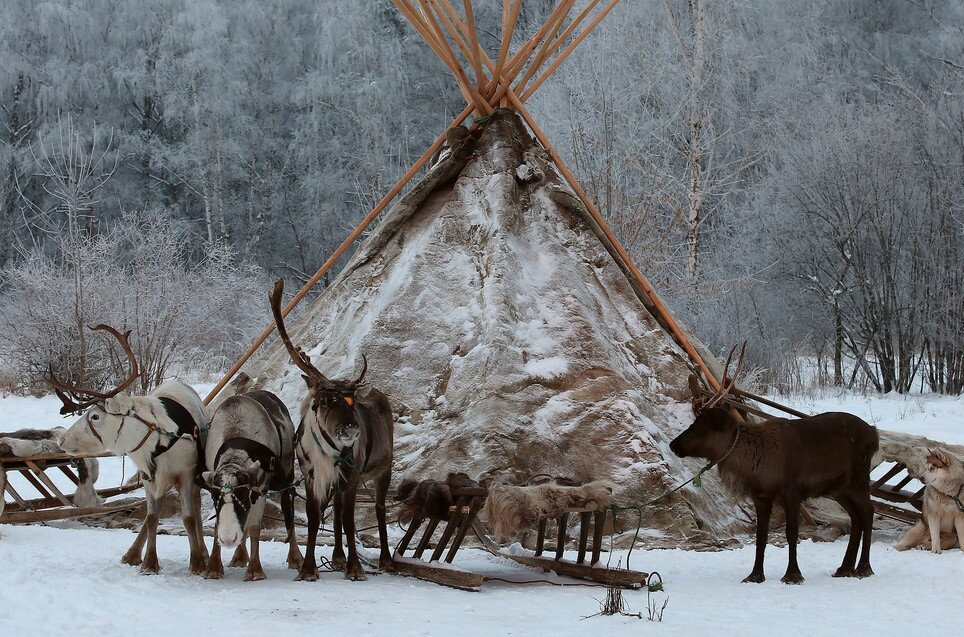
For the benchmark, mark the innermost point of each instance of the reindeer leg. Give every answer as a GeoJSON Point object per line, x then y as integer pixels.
{"type": "Point", "coordinates": [866, 508]}
{"type": "Point", "coordinates": [254, 572]}
{"type": "Point", "coordinates": [288, 509]}
{"type": "Point", "coordinates": [215, 567]}
{"type": "Point", "coordinates": [850, 556]}
{"type": "Point", "coordinates": [763, 509]}
{"type": "Point", "coordinates": [791, 504]}
{"type": "Point", "coordinates": [198, 561]}
{"type": "Point", "coordinates": [385, 562]}
{"type": "Point", "coordinates": [338, 553]}
{"type": "Point", "coordinates": [150, 563]}
{"type": "Point", "coordinates": [198, 522]}
{"type": "Point", "coordinates": [240, 557]}
{"type": "Point", "coordinates": [133, 555]}
{"type": "Point", "coordinates": [353, 569]}
{"type": "Point", "coordinates": [309, 568]}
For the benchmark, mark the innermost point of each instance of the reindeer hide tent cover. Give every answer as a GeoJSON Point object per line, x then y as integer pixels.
{"type": "Point", "coordinates": [507, 337]}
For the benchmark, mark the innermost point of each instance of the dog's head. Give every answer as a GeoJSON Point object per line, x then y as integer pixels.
{"type": "Point", "coordinates": [942, 467]}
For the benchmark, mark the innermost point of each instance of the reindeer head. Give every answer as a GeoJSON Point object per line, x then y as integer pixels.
{"type": "Point", "coordinates": [100, 427]}
{"type": "Point", "coordinates": [235, 492]}
{"type": "Point", "coordinates": [332, 402]}
{"type": "Point", "coordinates": [711, 433]}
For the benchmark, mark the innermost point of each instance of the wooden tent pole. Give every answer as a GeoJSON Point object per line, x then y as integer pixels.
{"type": "Point", "coordinates": [568, 32]}
{"type": "Point", "coordinates": [474, 42]}
{"type": "Point", "coordinates": [508, 27]}
{"type": "Point", "coordinates": [569, 49]}
{"type": "Point", "coordinates": [546, 45]}
{"type": "Point", "coordinates": [337, 254]}
{"type": "Point", "coordinates": [658, 304]}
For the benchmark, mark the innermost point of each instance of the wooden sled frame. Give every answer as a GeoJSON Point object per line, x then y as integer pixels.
{"type": "Point", "coordinates": [593, 571]}
{"type": "Point", "coordinates": [881, 489]}
{"type": "Point", "coordinates": [462, 515]}
{"type": "Point", "coordinates": [52, 503]}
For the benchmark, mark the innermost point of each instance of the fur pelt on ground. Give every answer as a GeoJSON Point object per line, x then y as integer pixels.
{"type": "Point", "coordinates": [943, 515]}
{"type": "Point", "coordinates": [509, 509]}
{"type": "Point", "coordinates": [429, 498]}
{"type": "Point", "coordinates": [24, 443]}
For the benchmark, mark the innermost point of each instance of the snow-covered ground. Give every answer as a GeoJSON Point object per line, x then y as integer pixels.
{"type": "Point", "coordinates": [69, 578]}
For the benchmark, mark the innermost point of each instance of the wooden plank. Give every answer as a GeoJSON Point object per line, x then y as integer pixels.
{"type": "Point", "coordinates": [541, 536]}
{"type": "Point", "coordinates": [450, 527]}
{"type": "Point", "coordinates": [464, 527]}
{"type": "Point", "coordinates": [896, 513]}
{"type": "Point", "coordinates": [893, 471]}
{"type": "Point", "coordinates": [64, 513]}
{"type": "Point", "coordinates": [16, 496]}
{"type": "Point", "coordinates": [447, 575]}
{"type": "Point", "coordinates": [409, 534]}
{"type": "Point", "coordinates": [51, 501]}
{"type": "Point", "coordinates": [584, 521]}
{"type": "Point", "coordinates": [67, 471]}
{"type": "Point", "coordinates": [561, 535]}
{"type": "Point", "coordinates": [32, 479]}
{"type": "Point", "coordinates": [11, 461]}
{"type": "Point", "coordinates": [426, 537]}
{"type": "Point", "coordinates": [617, 577]}
{"type": "Point", "coordinates": [47, 481]}
{"type": "Point", "coordinates": [599, 521]}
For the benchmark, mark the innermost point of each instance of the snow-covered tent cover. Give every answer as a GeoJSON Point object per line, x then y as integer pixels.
{"type": "Point", "coordinates": [507, 337]}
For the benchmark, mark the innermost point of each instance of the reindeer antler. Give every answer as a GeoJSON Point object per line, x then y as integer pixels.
{"type": "Point", "coordinates": [76, 398]}
{"type": "Point", "coordinates": [726, 387]}
{"type": "Point", "coordinates": [358, 381]}
{"type": "Point", "coordinates": [297, 355]}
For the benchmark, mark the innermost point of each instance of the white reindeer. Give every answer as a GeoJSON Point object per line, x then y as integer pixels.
{"type": "Point", "coordinates": [159, 432]}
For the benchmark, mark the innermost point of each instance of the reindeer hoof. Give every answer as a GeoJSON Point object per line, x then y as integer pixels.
{"type": "Point", "coordinates": [386, 564]}
{"type": "Point", "coordinates": [295, 563]}
{"type": "Point", "coordinates": [133, 559]}
{"type": "Point", "coordinates": [338, 563]}
{"type": "Point", "coordinates": [198, 566]}
{"type": "Point", "coordinates": [239, 561]}
{"type": "Point", "coordinates": [792, 578]}
{"type": "Point", "coordinates": [214, 574]}
{"type": "Point", "coordinates": [150, 567]}
{"type": "Point", "coordinates": [254, 576]}
{"type": "Point", "coordinates": [844, 572]}
{"type": "Point", "coordinates": [754, 578]}
{"type": "Point", "coordinates": [307, 575]}
{"type": "Point", "coordinates": [356, 573]}
{"type": "Point", "coordinates": [863, 571]}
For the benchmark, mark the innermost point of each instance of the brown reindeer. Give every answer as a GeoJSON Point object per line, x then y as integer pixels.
{"type": "Point", "coordinates": [790, 460]}
{"type": "Point", "coordinates": [345, 437]}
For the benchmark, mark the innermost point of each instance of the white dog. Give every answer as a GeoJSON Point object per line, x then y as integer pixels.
{"type": "Point", "coordinates": [943, 504]}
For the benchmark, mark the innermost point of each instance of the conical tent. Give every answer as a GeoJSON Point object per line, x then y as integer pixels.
{"type": "Point", "coordinates": [499, 313]}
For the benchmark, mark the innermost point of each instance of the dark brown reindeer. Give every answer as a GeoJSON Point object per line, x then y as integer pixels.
{"type": "Point", "coordinates": [345, 437]}
{"type": "Point", "coordinates": [790, 460]}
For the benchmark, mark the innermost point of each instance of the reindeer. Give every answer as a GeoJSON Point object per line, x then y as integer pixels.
{"type": "Point", "coordinates": [249, 450]}
{"type": "Point", "coordinates": [345, 437]}
{"type": "Point", "coordinates": [789, 460]}
{"type": "Point", "coordinates": [160, 432]}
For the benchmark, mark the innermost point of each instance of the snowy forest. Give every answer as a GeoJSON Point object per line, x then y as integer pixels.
{"type": "Point", "coordinates": [787, 172]}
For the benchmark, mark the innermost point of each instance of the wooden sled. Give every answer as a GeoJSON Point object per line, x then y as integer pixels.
{"type": "Point", "coordinates": [468, 503]}
{"type": "Point", "coordinates": [890, 489]}
{"type": "Point", "coordinates": [594, 571]}
{"type": "Point", "coordinates": [52, 503]}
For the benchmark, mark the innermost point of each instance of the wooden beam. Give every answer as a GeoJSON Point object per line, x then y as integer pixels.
{"type": "Point", "coordinates": [617, 577]}
{"type": "Point", "coordinates": [474, 42]}
{"type": "Point", "coordinates": [447, 575]}
{"type": "Point", "coordinates": [508, 28]}
{"type": "Point", "coordinates": [566, 7]}
{"type": "Point", "coordinates": [569, 49]}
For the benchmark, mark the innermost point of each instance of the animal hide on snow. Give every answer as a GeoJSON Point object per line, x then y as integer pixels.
{"type": "Point", "coordinates": [24, 443]}
{"type": "Point", "coordinates": [509, 509]}
{"type": "Point", "coordinates": [429, 498]}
